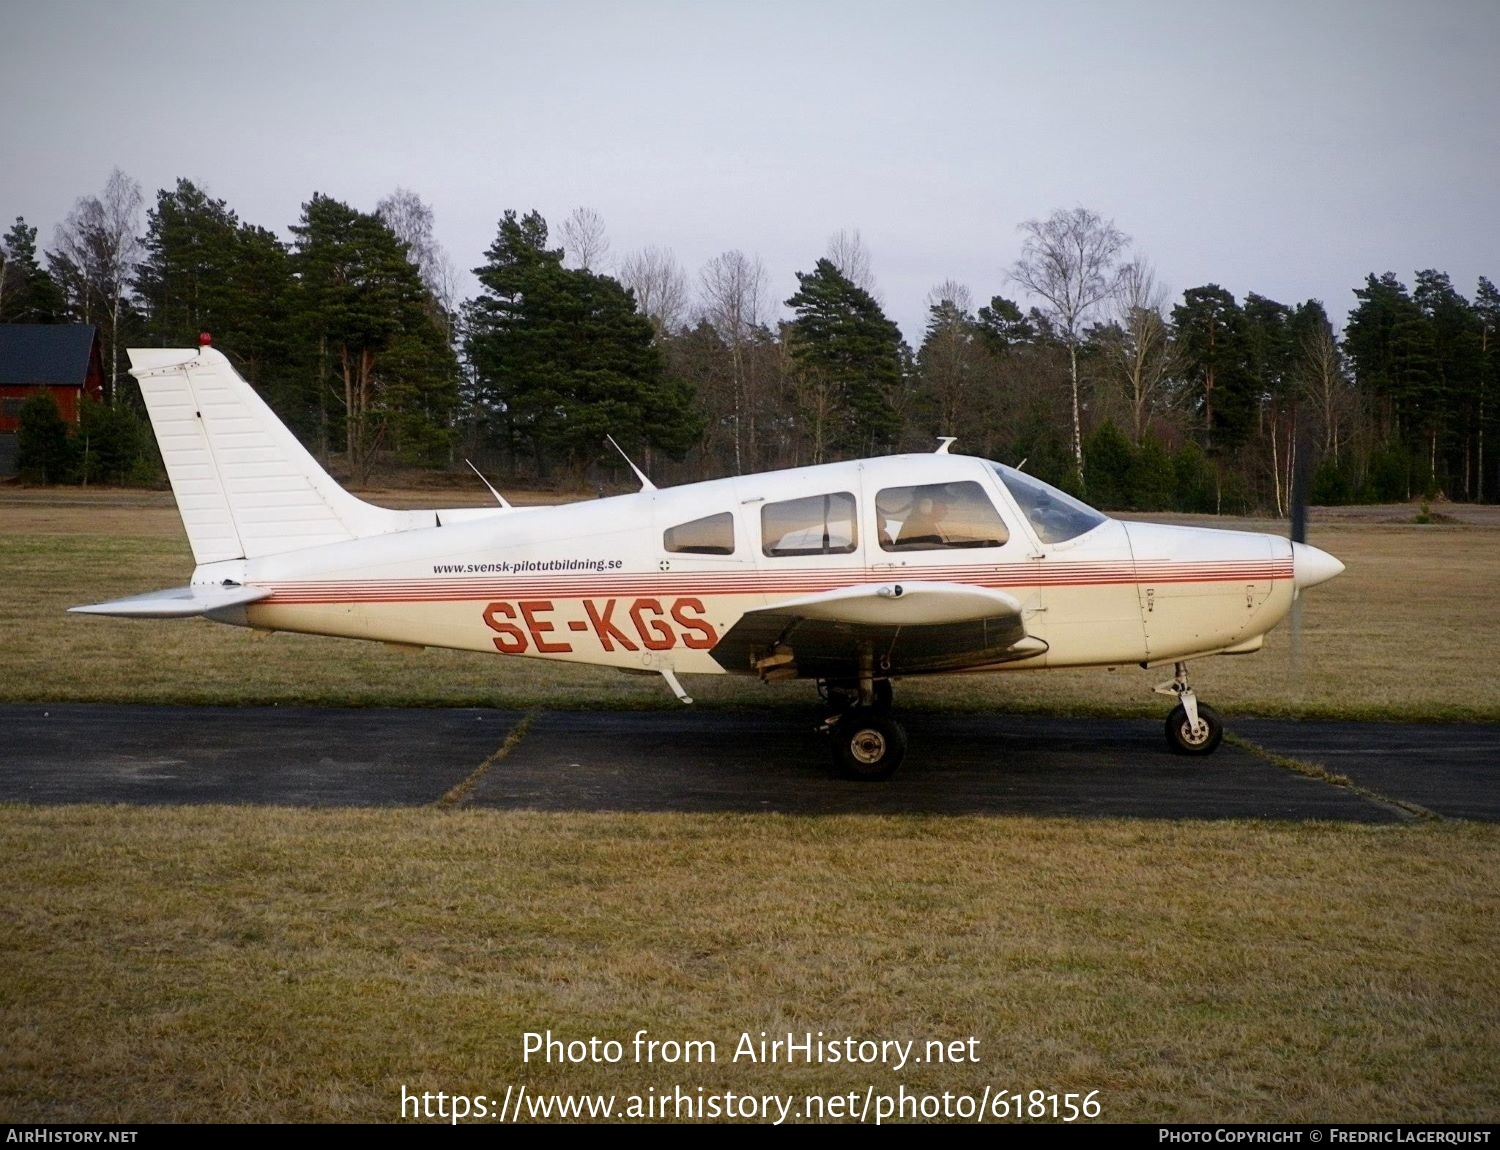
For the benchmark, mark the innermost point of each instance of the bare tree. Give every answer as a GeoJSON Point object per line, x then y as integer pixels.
{"type": "Point", "coordinates": [1068, 260]}
{"type": "Point", "coordinates": [734, 303]}
{"type": "Point", "coordinates": [411, 221]}
{"type": "Point", "coordinates": [584, 239]}
{"type": "Point", "coordinates": [1143, 354]}
{"type": "Point", "coordinates": [952, 292]}
{"type": "Point", "coordinates": [660, 287]}
{"type": "Point", "coordinates": [1320, 370]}
{"type": "Point", "coordinates": [96, 253]}
{"type": "Point", "coordinates": [847, 252]}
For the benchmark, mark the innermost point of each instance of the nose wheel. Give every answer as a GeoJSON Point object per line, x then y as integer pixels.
{"type": "Point", "coordinates": [1193, 728]}
{"type": "Point", "coordinates": [1187, 737]}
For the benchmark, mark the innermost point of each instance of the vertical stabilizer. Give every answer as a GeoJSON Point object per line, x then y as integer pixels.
{"type": "Point", "coordinates": [244, 486]}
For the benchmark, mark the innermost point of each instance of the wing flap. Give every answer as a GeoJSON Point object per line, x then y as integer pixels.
{"type": "Point", "coordinates": [177, 602]}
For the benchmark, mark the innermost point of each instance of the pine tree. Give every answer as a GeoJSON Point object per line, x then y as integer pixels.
{"type": "Point", "coordinates": [44, 453]}
{"type": "Point", "coordinates": [1487, 309]}
{"type": "Point", "coordinates": [1111, 458]}
{"type": "Point", "coordinates": [1002, 326]}
{"type": "Point", "coordinates": [184, 281]}
{"type": "Point", "coordinates": [843, 344]}
{"type": "Point", "coordinates": [1153, 480]}
{"type": "Point", "coordinates": [1390, 342]}
{"type": "Point", "coordinates": [1457, 341]}
{"type": "Point", "coordinates": [27, 293]}
{"type": "Point", "coordinates": [564, 359]}
{"type": "Point", "coordinates": [364, 306]}
{"type": "Point", "coordinates": [1209, 325]}
{"type": "Point", "coordinates": [950, 370]}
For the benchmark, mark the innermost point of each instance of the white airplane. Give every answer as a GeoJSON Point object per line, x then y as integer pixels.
{"type": "Point", "coordinates": [850, 574]}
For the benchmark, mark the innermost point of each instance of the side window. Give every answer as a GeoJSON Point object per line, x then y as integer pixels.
{"type": "Point", "coordinates": [712, 535]}
{"type": "Point", "coordinates": [937, 516]}
{"type": "Point", "coordinates": [814, 525]}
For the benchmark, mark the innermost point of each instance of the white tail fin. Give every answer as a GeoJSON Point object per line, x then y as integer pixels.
{"type": "Point", "coordinates": [245, 487]}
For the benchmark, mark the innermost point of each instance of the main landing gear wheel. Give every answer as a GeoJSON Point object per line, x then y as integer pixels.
{"type": "Point", "coordinates": [1186, 739]}
{"type": "Point", "coordinates": [868, 744]}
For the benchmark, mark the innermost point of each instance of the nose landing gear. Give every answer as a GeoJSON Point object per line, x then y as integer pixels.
{"type": "Point", "coordinates": [1193, 728]}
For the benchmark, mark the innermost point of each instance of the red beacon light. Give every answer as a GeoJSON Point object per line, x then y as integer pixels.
{"type": "Point", "coordinates": [205, 339]}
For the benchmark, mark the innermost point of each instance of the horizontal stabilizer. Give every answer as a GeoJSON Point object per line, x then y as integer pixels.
{"type": "Point", "coordinates": [177, 602]}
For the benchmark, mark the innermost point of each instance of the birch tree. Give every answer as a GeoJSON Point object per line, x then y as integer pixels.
{"type": "Point", "coordinates": [847, 252]}
{"type": "Point", "coordinates": [660, 287]}
{"type": "Point", "coordinates": [584, 240]}
{"type": "Point", "coordinates": [411, 221]}
{"type": "Point", "coordinates": [95, 257]}
{"type": "Point", "coordinates": [1068, 260]}
{"type": "Point", "coordinates": [734, 304]}
{"type": "Point", "coordinates": [1143, 355]}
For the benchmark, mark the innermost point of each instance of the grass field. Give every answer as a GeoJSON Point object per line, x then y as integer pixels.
{"type": "Point", "coordinates": [253, 964]}
{"type": "Point", "coordinates": [260, 964]}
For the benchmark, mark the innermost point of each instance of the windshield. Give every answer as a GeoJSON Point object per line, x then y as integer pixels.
{"type": "Point", "coordinates": [1055, 516]}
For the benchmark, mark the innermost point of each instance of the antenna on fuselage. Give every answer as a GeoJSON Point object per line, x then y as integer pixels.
{"type": "Point", "coordinates": [646, 484]}
{"type": "Point", "coordinates": [945, 442]}
{"type": "Point", "coordinates": [500, 499]}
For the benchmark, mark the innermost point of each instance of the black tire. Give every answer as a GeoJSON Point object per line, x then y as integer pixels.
{"type": "Point", "coordinates": [1184, 741]}
{"type": "Point", "coordinates": [868, 744]}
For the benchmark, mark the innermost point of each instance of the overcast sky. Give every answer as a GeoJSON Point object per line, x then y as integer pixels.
{"type": "Point", "coordinates": [1283, 148]}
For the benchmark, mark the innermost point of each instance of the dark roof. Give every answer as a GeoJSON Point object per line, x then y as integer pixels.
{"type": "Point", "coordinates": [55, 354]}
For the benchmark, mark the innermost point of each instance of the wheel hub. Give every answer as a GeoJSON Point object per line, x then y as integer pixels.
{"type": "Point", "coordinates": [1195, 735]}
{"type": "Point", "coordinates": [867, 746]}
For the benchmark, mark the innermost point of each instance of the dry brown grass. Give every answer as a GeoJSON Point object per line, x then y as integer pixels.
{"type": "Point", "coordinates": [1408, 631]}
{"type": "Point", "coordinates": [267, 964]}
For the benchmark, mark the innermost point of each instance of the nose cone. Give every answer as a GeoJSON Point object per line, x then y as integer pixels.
{"type": "Point", "coordinates": [1310, 566]}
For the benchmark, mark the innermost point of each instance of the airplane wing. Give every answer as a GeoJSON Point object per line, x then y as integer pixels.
{"type": "Point", "coordinates": [912, 627]}
{"type": "Point", "coordinates": [177, 602]}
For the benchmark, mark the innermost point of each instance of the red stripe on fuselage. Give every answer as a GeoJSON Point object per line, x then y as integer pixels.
{"type": "Point", "coordinates": [453, 590]}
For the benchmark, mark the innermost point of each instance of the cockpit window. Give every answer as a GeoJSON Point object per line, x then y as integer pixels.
{"type": "Point", "coordinates": [937, 516]}
{"type": "Point", "coordinates": [711, 535]}
{"type": "Point", "coordinates": [814, 525]}
{"type": "Point", "coordinates": [1055, 516]}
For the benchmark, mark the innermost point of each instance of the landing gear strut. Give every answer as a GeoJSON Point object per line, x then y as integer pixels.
{"type": "Point", "coordinates": [1193, 728]}
{"type": "Point", "coordinates": [868, 744]}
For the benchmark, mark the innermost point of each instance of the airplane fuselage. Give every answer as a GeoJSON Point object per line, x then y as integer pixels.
{"type": "Point", "coordinates": [618, 582]}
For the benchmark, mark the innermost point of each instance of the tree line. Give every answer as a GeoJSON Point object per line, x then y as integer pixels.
{"type": "Point", "coordinates": [1090, 373]}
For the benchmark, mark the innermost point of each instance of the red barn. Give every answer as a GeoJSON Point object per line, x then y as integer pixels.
{"type": "Point", "coordinates": [61, 357]}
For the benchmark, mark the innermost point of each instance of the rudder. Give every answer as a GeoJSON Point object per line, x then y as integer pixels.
{"type": "Point", "coordinates": [244, 485]}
